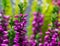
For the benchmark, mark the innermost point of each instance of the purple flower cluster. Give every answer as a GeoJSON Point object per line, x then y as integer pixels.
{"type": "Point", "coordinates": [37, 29]}
{"type": "Point", "coordinates": [52, 37]}
{"type": "Point", "coordinates": [3, 30]}
{"type": "Point", "coordinates": [32, 41]}
{"type": "Point", "coordinates": [37, 23]}
{"type": "Point", "coordinates": [56, 2]}
{"type": "Point", "coordinates": [20, 29]}
{"type": "Point", "coordinates": [56, 24]}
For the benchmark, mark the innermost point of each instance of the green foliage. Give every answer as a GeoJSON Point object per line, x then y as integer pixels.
{"type": "Point", "coordinates": [47, 17]}
{"type": "Point", "coordinates": [34, 5]}
{"type": "Point", "coordinates": [16, 9]}
{"type": "Point", "coordinates": [11, 22]}
{"type": "Point", "coordinates": [33, 9]}
{"type": "Point", "coordinates": [7, 7]}
{"type": "Point", "coordinates": [48, 1]}
{"type": "Point", "coordinates": [37, 36]}
{"type": "Point", "coordinates": [54, 17]}
{"type": "Point", "coordinates": [11, 34]}
{"type": "Point", "coordinates": [21, 6]}
{"type": "Point", "coordinates": [55, 9]}
{"type": "Point", "coordinates": [25, 4]}
{"type": "Point", "coordinates": [39, 9]}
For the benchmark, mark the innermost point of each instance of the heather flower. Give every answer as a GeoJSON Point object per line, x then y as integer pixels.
{"type": "Point", "coordinates": [37, 22]}
{"type": "Point", "coordinates": [4, 45]}
{"type": "Point", "coordinates": [54, 2]}
{"type": "Point", "coordinates": [37, 28]}
{"type": "Point", "coordinates": [16, 39]}
{"type": "Point", "coordinates": [58, 2]}
{"type": "Point", "coordinates": [33, 42]}
{"type": "Point", "coordinates": [40, 44]}
{"type": "Point", "coordinates": [3, 31]}
{"type": "Point", "coordinates": [19, 27]}
{"type": "Point", "coordinates": [59, 43]}
{"type": "Point", "coordinates": [4, 38]}
{"type": "Point", "coordinates": [51, 38]}
{"type": "Point", "coordinates": [45, 43]}
{"type": "Point", "coordinates": [16, 45]}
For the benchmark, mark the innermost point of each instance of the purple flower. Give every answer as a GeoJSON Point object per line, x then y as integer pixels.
{"type": "Point", "coordinates": [46, 38]}
{"type": "Point", "coordinates": [20, 29]}
{"type": "Point", "coordinates": [16, 45]}
{"type": "Point", "coordinates": [40, 44]}
{"type": "Point", "coordinates": [33, 42]}
{"type": "Point", "coordinates": [47, 33]}
{"type": "Point", "coordinates": [3, 30]}
{"type": "Point", "coordinates": [4, 45]}
{"type": "Point", "coordinates": [37, 22]}
{"type": "Point", "coordinates": [45, 43]}
{"type": "Point", "coordinates": [16, 39]}
{"type": "Point", "coordinates": [59, 43]}
{"type": "Point", "coordinates": [58, 2]}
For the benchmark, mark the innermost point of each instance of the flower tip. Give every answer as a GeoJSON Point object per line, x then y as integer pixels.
{"type": "Point", "coordinates": [58, 3]}
{"type": "Point", "coordinates": [47, 32]}
{"type": "Point", "coordinates": [16, 16]}
{"type": "Point", "coordinates": [26, 15]}
{"type": "Point", "coordinates": [21, 15]}
{"type": "Point", "coordinates": [6, 17]}
{"type": "Point", "coordinates": [34, 13]}
{"type": "Point", "coordinates": [0, 15]}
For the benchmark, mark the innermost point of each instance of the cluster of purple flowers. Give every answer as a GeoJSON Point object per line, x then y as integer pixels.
{"type": "Point", "coordinates": [20, 29]}
{"type": "Point", "coordinates": [52, 37]}
{"type": "Point", "coordinates": [56, 2]}
{"type": "Point", "coordinates": [37, 29]}
{"type": "Point", "coordinates": [3, 30]}
{"type": "Point", "coordinates": [37, 23]}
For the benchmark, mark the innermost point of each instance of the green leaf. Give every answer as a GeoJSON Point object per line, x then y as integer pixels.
{"type": "Point", "coordinates": [39, 9]}
{"type": "Point", "coordinates": [11, 22]}
{"type": "Point", "coordinates": [55, 9]}
{"type": "Point", "coordinates": [37, 36]}
{"type": "Point", "coordinates": [7, 7]}
{"type": "Point", "coordinates": [16, 9]}
{"type": "Point", "coordinates": [47, 18]}
{"type": "Point", "coordinates": [21, 7]}
{"type": "Point", "coordinates": [11, 34]}
{"type": "Point", "coordinates": [54, 18]}
{"type": "Point", "coordinates": [25, 4]}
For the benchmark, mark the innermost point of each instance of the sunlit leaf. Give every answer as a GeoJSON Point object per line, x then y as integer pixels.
{"type": "Point", "coordinates": [7, 6]}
